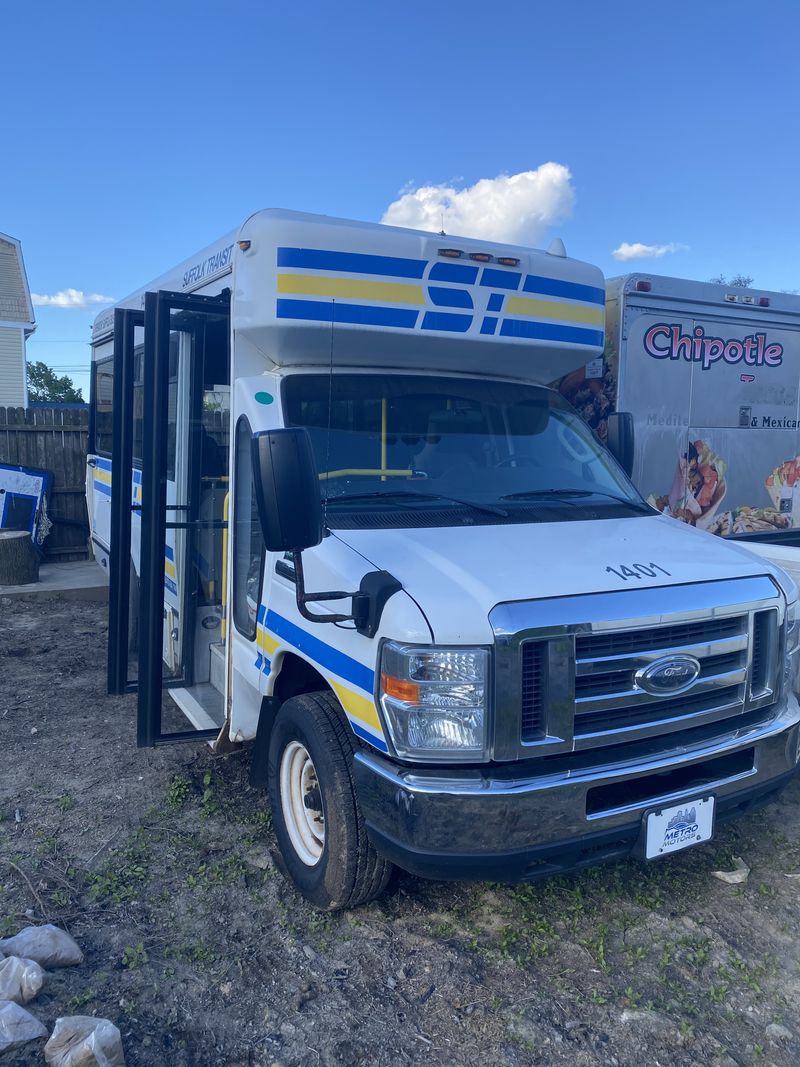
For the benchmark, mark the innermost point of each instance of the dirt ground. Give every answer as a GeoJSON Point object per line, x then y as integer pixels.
{"type": "Point", "coordinates": [158, 863]}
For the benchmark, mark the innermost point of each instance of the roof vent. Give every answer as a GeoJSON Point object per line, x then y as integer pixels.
{"type": "Point", "coordinates": [557, 248]}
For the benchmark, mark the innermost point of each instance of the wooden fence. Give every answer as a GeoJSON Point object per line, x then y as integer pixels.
{"type": "Point", "coordinates": [54, 439]}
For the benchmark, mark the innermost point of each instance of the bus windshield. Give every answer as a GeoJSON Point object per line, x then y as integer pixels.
{"type": "Point", "coordinates": [386, 441]}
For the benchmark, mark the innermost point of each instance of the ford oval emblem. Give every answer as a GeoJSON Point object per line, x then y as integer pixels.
{"type": "Point", "coordinates": [668, 676]}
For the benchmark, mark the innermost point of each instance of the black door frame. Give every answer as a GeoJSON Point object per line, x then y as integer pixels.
{"type": "Point", "coordinates": [126, 320]}
{"type": "Point", "coordinates": [157, 326]}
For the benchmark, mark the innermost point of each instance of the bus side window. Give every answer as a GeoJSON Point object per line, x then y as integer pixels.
{"type": "Point", "coordinates": [102, 395]}
{"type": "Point", "coordinates": [248, 540]}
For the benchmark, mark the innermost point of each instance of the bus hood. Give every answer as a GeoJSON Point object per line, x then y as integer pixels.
{"type": "Point", "coordinates": [457, 575]}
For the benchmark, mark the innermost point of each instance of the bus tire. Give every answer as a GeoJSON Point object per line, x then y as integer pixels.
{"type": "Point", "coordinates": [321, 833]}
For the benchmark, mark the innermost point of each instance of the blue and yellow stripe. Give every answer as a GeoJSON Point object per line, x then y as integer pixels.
{"type": "Point", "coordinates": [351, 262]}
{"type": "Point", "coordinates": [355, 288]}
{"type": "Point", "coordinates": [102, 479]}
{"type": "Point", "coordinates": [354, 314]}
{"type": "Point", "coordinates": [102, 483]}
{"type": "Point", "coordinates": [370, 290]}
{"type": "Point", "coordinates": [170, 573]}
{"type": "Point", "coordinates": [353, 681]}
{"type": "Point", "coordinates": [102, 476]}
{"type": "Point", "coordinates": [534, 283]}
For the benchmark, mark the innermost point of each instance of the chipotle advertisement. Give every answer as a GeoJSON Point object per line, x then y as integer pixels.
{"type": "Point", "coordinates": [716, 418]}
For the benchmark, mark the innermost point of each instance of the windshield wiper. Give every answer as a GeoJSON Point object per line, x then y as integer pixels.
{"type": "Point", "coordinates": [489, 509]}
{"type": "Point", "coordinates": [566, 493]}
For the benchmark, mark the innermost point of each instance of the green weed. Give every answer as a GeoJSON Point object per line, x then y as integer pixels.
{"type": "Point", "coordinates": [262, 819]}
{"type": "Point", "coordinates": [210, 803]}
{"type": "Point", "coordinates": [197, 952]}
{"type": "Point", "coordinates": [134, 956]}
{"type": "Point", "coordinates": [60, 898]}
{"type": "Point", "coordinates": [222, 872]}
{"type": "Point", "coordinates": [178, 791]}
{"type": "Point", "coordinates": [598, 945]}
{"type": "Point", "coordinates": [80, 1000]}
{"type": "Point", "coordinates": [8, 926]}
{"type": "Point", "coordinates": [121, 877]}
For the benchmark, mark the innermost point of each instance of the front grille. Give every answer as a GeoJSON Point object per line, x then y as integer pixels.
{"type": "Point", "coordinates": [533, 671]}
{"type": "Point", "coordinates": [642, 747]}
{"type": "Point", "coordinates": [566, 668]}
{"type": "Point", "coordinates": [593, 646]}
{"type": "Point", "coordinates": [589, 685]}
{"type": "Point", "coordinates": [763, 626]}
{"type": "Point", "coordinates": [608, 701]}
{"type": "Point", "coordinates": [670, 710]}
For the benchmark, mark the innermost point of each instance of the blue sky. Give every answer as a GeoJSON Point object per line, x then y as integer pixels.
{"type": "Point", "coordinates": [141, 134]}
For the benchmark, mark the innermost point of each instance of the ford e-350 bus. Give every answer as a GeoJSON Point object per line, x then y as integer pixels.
{"type": "Point", "coordinates": [344, 518]}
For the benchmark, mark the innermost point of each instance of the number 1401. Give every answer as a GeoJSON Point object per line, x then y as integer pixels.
{"type": "Point", "coordinates": [637, 570]}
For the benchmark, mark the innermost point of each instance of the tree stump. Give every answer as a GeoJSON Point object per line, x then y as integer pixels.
{"type": "Point", "coordinates": [19, 563]}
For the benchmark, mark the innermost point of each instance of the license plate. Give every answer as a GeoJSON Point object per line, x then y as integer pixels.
{"type": "Point", "coordinates": [671, 829]}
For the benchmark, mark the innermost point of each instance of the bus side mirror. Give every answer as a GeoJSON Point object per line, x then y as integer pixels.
{"type": "Point", "coordinates": [620, 439]}
{"type": "Point", "coordinates": [287, 490]}
{"type": "Point", "coordinates": [287, 494]}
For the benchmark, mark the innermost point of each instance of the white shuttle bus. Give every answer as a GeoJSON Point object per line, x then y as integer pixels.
{"type": "Point", "coordinates": [345, 519]}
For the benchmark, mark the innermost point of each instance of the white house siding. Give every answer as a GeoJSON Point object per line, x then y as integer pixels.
{"type": "Point", "coordinates": [12, 367]}
{"type": "Point", "coordinates": [14, 298]}
{"type": "Point", "coordinates": [16, 323]}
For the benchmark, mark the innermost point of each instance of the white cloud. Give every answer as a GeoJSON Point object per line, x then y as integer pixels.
{"type": "Point", "coordinates": [510, 207]}
{"type": "Point", "coordinates": [70, 298]}
{"type": "Point", "coordinates": [637, 250]}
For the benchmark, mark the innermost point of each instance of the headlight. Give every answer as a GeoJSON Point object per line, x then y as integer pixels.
{"type": "Point", "coordinates": [435, 701]}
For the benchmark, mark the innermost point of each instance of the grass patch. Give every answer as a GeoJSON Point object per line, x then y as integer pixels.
{"type": "Point", "coordinates": [123, 875]}
{"type": "Point", "coordinates": [178, 792]}
{"type": "Point", "coordinates": [134, 956]}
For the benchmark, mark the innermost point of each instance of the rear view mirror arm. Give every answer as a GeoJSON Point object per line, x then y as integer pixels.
{"type": "Point", "coordinates": [367, 604]}
{"type": "Point", "coordinates": [304, 598]}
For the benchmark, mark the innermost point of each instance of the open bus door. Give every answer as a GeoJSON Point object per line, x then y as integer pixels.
{"type": "Point", "coordinates": [125, 501]}
{"type": "Point", "coordinates": [167, 578]}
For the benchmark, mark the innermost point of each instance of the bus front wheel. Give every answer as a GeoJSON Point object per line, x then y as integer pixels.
{"type": "Point", "coordinates": [320, 830]}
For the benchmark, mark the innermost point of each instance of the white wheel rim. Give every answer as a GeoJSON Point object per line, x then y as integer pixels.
{"type": "Point", "coordinates": [305, 825]}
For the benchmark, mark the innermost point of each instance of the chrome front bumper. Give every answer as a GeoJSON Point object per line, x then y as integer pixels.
{"type": "Point", "coordinates": [521, 820]}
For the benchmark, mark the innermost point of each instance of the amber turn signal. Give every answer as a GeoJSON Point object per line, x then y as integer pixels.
{"type": "Point", "coordinates": [396, 687]}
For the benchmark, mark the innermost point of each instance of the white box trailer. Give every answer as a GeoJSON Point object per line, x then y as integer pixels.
{"type": "Point", "coordinates": [711, 374]}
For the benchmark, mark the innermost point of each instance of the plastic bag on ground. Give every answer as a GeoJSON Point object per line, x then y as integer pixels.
{"type": "Point", "coordinates": [47, 945]}
{"type": "Point", "coordinates": [84, 1041]}
{"type": "Point", "coordinates": [20, 979]}
{"type": "Point", "coordinates": [17, 1026]}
